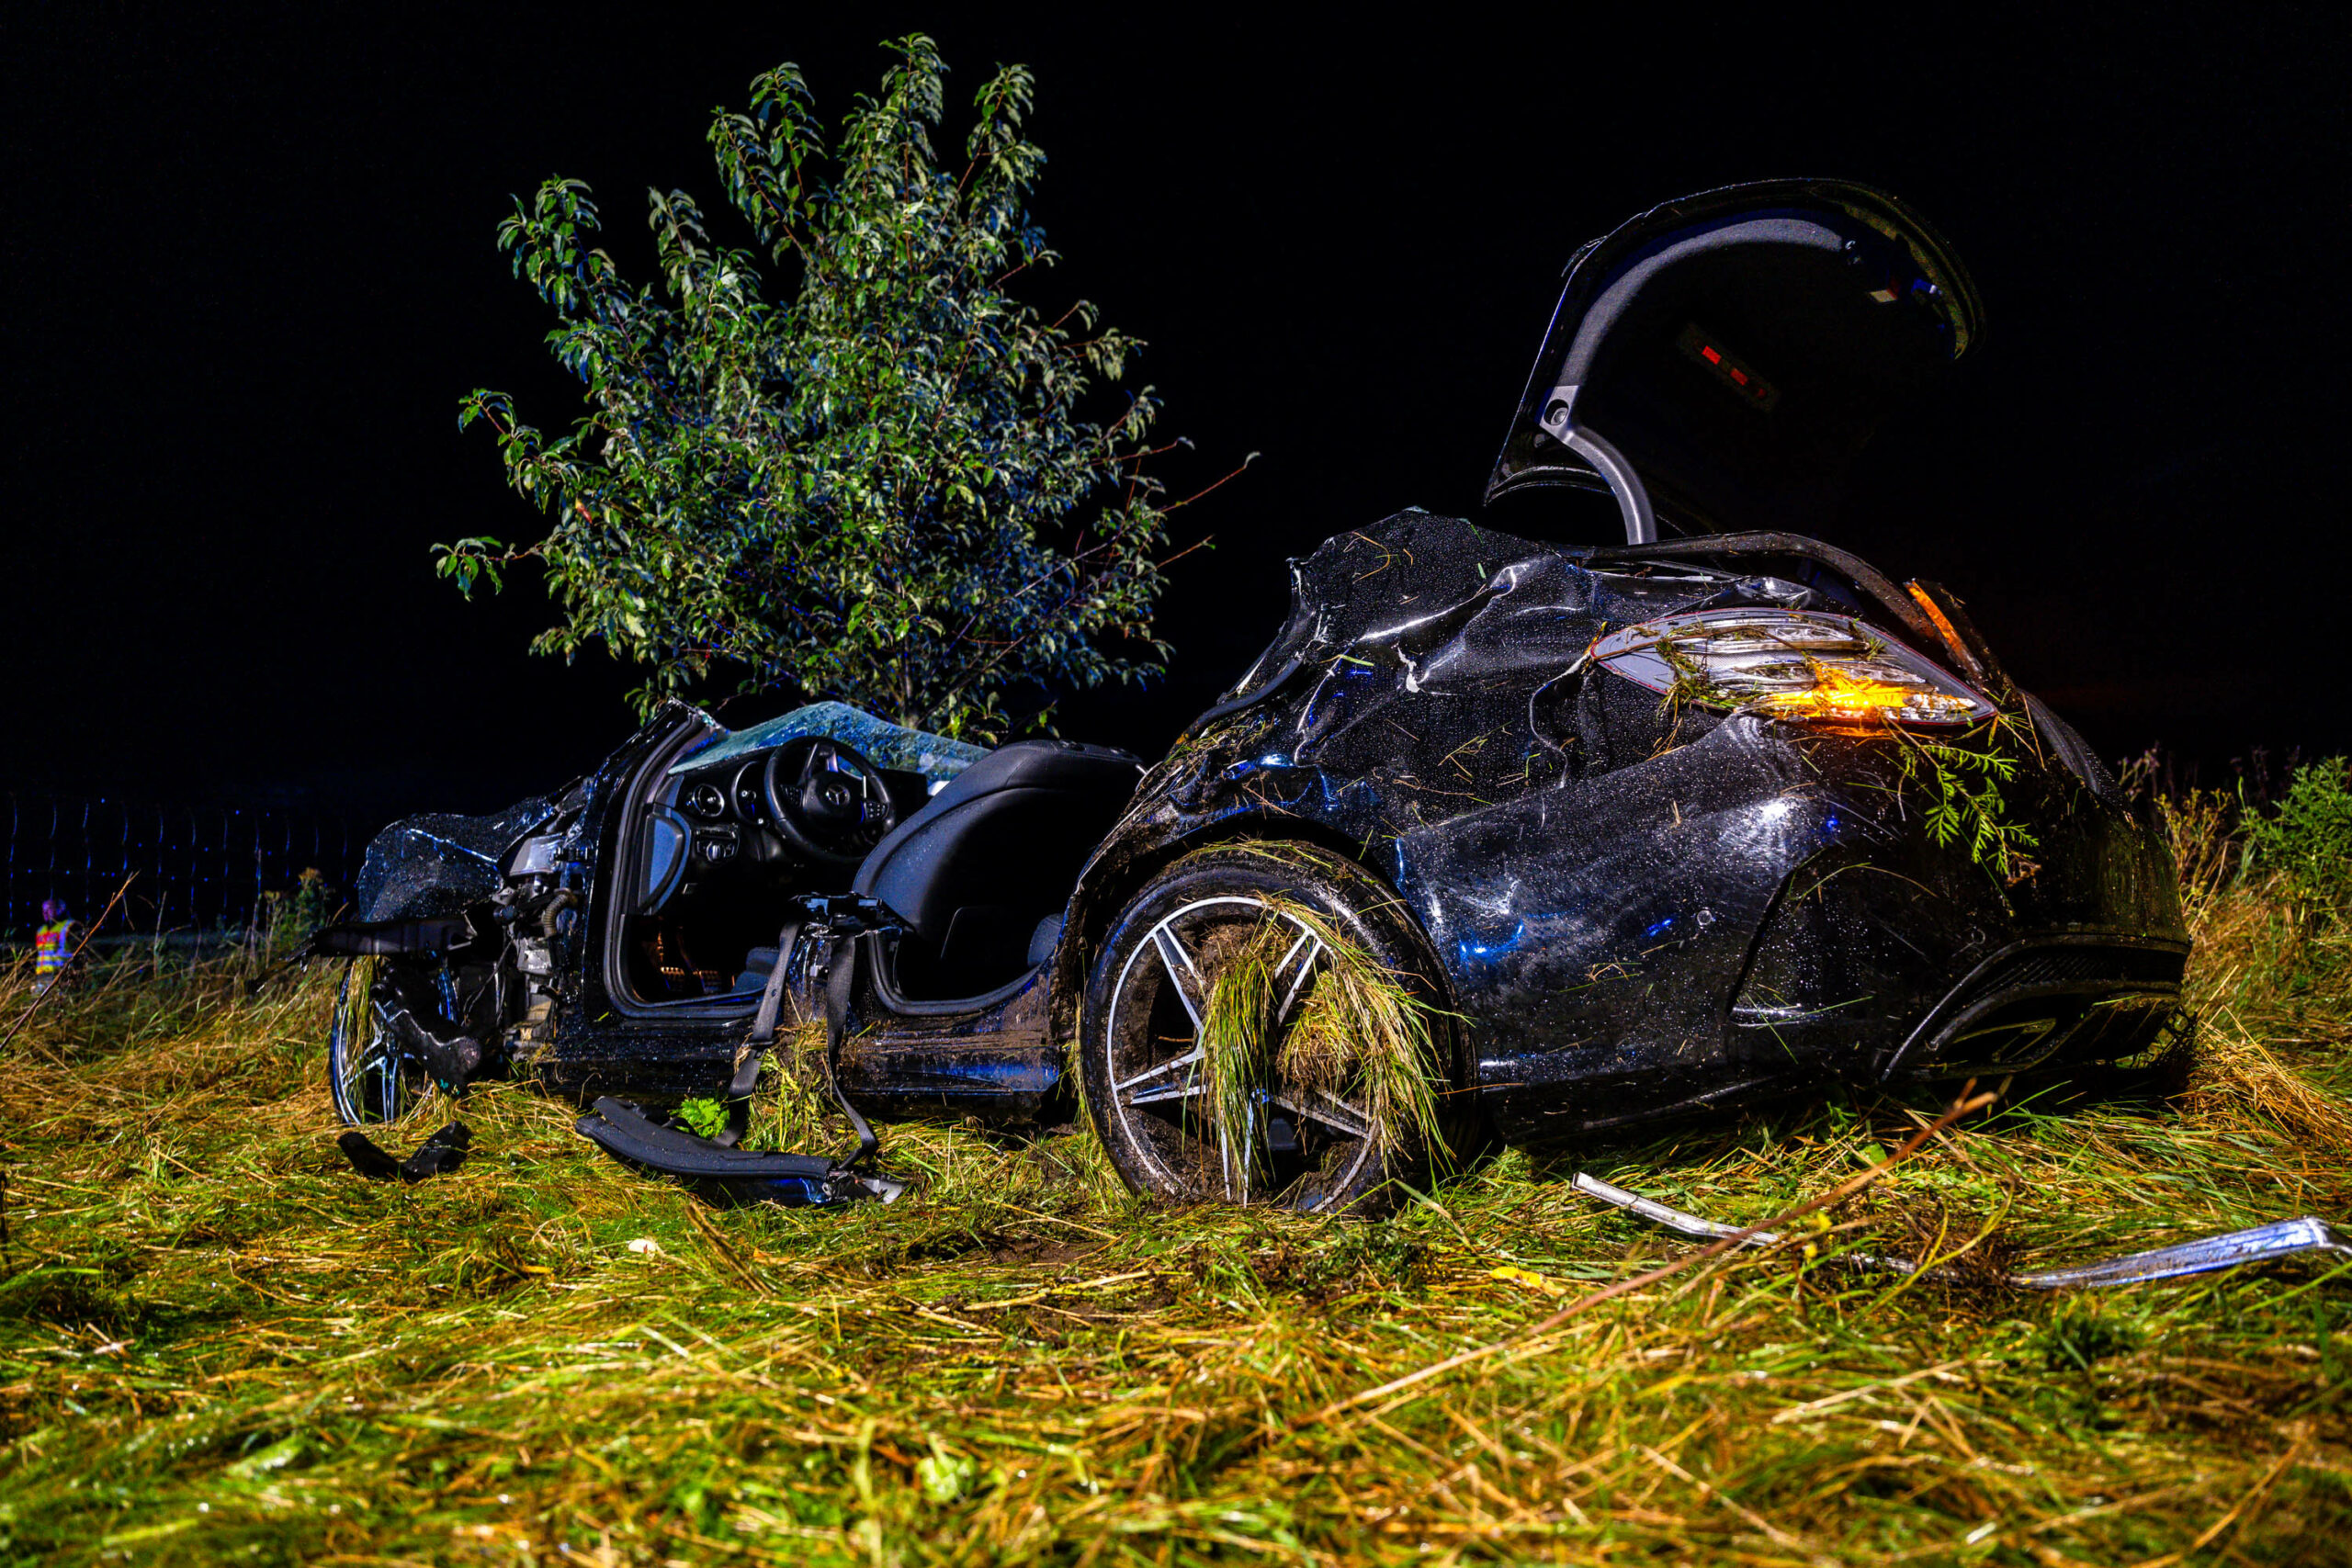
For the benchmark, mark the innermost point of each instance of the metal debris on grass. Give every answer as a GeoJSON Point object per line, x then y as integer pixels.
{"type": "Point", "coordinates": [2258, 1243]}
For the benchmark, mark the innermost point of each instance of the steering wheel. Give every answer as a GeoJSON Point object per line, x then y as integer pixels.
{"type": "Point", "coordinates": [829, 802]}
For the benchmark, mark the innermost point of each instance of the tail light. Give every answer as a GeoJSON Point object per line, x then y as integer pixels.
{"type": "Point", "coordinates": [1795, 664]}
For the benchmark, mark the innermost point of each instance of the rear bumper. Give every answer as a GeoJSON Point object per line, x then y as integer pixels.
{"type": "Point", "coordinates": [2056, 999]}
{"type": "Point", "coordinates": [1726, 938]}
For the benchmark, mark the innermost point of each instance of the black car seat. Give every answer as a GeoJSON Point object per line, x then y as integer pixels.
{"type": "Point", "coordinates": [981, 869]}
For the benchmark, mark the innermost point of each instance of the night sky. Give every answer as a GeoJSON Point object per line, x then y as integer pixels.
{"type": "Point", "coordinates": [250, 270]}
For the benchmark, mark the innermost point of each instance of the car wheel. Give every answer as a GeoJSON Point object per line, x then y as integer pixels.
{"type": "Point", "coordinates": [1301, 1148]}
{"type": "Point", "coordinates": [373, 1081]}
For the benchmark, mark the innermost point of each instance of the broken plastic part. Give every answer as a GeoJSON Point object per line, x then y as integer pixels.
{"type": "Point", "coordinates": [452, 1060]}
{"type": "Point", "coordinates": [621, 1129]}
{"type": "Point", "coordinates": [2280, 1238]}
{"type": "Point", "coordinates": [444, 1151]}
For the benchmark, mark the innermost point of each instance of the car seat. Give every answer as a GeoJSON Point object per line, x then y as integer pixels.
{"type": "Point", "coordinates": [980, 873]}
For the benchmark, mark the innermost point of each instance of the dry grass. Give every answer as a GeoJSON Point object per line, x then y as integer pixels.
{"type": "Point", "coordinates": [217, 1343]}
{"type": "Point", "coordinates": [793, 1095]}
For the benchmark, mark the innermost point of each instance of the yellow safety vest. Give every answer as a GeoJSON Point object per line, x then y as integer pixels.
{"type": "Point", "coordinates": [50, 954]}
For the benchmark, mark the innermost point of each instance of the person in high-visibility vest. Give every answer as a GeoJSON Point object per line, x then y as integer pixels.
{"type": "Point", "coordinates": [54, 945]}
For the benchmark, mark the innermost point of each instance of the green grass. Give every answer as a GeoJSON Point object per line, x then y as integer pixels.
{"type": "Point", "coordinates": [217, 1343]}
{"type": "Point", "coordinates": [1358, 1031]}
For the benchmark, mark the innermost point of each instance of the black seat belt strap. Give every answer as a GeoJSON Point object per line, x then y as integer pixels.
{"type": "Point", "coordinates": [842, 956]}
{"type": "Point", "coordinates": [764, 1022]}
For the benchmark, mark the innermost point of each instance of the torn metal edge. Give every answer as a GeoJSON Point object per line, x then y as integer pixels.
{"type": "Point", "coordinates": [2280, 1238]}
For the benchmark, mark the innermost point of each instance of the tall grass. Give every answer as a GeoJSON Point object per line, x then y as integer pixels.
{"type": "Point", "coordinates": [217, 1343]}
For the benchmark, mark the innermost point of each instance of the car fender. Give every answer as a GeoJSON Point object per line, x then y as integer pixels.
{"type": "Point", "coordinates": [423, 867]}
{"type": "Point", "coordinates": [1142, 844]}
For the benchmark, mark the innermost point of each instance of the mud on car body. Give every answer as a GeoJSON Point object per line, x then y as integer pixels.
{"type": "Point", "coordinates": [1714, 814]}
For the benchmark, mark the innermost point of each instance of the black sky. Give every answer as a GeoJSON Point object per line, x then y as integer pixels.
{"type": "Point", "coordinates": [250, 268]}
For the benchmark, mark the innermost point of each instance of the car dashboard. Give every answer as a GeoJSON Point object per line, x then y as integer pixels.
{"type": "Point", "coordinates": [716, 878]}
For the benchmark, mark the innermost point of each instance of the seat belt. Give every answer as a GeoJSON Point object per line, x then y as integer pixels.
{"type": "Point", "coordinates": [763, 1034]}
{"type": "Point", "coordinates": [842, 954]}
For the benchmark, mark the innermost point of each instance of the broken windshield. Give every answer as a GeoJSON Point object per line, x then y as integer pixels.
{"type": "Point", "coordinates": [883, 744]}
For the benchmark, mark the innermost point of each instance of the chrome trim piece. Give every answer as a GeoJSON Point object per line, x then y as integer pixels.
{"type": "Point", "coordinates": [2258, 1244]}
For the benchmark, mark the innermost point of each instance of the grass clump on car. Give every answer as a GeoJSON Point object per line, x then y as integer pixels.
{"type": "Point", "coordinates": [1354, 1031]}
{"type": "Point", "coordinates": [793, 1098]}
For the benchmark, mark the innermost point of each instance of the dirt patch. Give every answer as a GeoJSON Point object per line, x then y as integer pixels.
{"type": "Point", "coordinates": [1047, 1251]}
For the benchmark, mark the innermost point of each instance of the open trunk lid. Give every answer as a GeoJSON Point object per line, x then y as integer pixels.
{"type": "Point", "coordinates": [1718, 362]}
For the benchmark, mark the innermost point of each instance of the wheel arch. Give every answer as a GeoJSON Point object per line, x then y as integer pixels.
{"type": "Point", "coordinates": [1117, 875]}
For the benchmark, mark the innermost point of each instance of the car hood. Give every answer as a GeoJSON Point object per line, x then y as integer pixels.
{"type": "Point", "coordinates": [1718, 362]}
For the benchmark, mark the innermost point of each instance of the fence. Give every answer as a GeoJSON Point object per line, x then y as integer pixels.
{"type": "Point", "coordinates": [199, 868]}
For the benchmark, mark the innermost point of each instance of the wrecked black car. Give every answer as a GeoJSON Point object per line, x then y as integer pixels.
{"type": "Point", "coordinates": [1715, 813]}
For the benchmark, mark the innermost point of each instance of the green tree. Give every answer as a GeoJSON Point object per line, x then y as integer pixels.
{"type": "Point", "coordinates": [2309, 836]}
{"type": "Point", "coordinates": [872, 483]}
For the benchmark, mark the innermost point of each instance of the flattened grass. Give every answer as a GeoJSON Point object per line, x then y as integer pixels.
{"type": "Point", "coordinates": [217, 1343]}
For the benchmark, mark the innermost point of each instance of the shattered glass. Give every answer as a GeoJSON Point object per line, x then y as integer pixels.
{"type": "Point", "coordinates": [885, 744]}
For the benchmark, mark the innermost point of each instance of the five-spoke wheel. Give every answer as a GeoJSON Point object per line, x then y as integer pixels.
{"type": "Point", "coordinates": [1146, 1043]}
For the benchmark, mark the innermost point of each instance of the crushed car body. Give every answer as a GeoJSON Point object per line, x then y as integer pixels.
{"type": "Point", "coordinates": [1645, 906]}
{"type": "Point", "coordinates": [1712, 814]}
